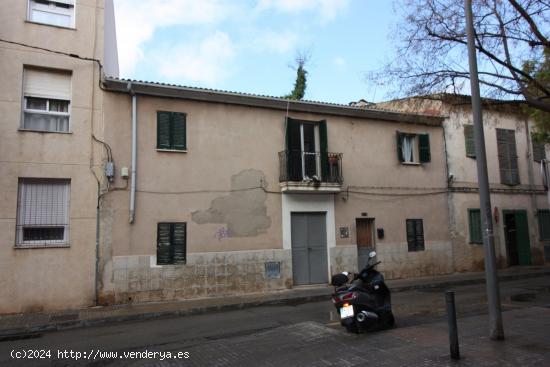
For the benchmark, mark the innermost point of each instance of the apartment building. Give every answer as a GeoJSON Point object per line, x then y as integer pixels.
{"type": "Point", "coordinates": [50, 110]}
{"type": "Point", "coordinates": [519, 203]}
{"type": "Point", "coordinates": [235, 193]}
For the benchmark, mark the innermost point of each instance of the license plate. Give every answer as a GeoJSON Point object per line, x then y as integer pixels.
{"type": "Point", "coordinates": [346, 312]}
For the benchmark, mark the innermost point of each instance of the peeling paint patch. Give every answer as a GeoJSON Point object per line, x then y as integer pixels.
{"type": "Point", "coordinates": [244, 211]}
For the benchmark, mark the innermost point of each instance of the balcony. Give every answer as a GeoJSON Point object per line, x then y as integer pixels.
{"type": "Point", "coordinates": [310, 172]}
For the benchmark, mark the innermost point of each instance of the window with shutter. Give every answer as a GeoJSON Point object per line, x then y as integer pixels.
{"type": "Point", "coordinates": [171, 243]}
{"type": "Point", "coordinates": [46, 100]}
{"type": "Point", "coordinates": [474, 224]}
{"type": "Point", "coordinates": [507, 157]}
{"type": "Point", "coordinates": [42, 212]}
{"type": "Point", "coordinates": [413, 148]}
{"type": "Point", "coordinates": [415, 234]}
{"type": "Point", "coordinates": [52, 12]}
{"type": "Point", "coordinates": [544, 225]}
{"type": "Point", "coordinates": [539, 151]}
{"type": "Point", "coordinates": [171, 131]}
{"type": "Point", "coordinates": [469, 141]}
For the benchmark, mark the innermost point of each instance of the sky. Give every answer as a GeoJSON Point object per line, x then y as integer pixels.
{"type": "Point", "coordinates": [249, 46]}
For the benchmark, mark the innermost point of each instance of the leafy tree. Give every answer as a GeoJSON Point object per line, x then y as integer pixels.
{"type": "Point", "coordinates": [300, 84]}
{"type": "Point", "coordinates": [511, 40]}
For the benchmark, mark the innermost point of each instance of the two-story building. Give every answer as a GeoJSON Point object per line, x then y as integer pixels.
{"type": "Point", "coordinates": [50, 112]}
{"type": "Point", "coordinates": [234, 193]}
{"type": "Point", "coordinates": [521, 218]}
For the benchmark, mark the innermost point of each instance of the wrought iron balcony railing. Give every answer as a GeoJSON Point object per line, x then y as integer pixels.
{"type": "Point", "coordinates": [314, 167]}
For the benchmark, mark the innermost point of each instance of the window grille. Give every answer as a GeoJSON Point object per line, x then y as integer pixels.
{"type": "Point", "coordinates": [43, 212]}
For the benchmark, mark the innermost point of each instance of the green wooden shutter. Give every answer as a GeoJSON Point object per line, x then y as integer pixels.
{"type": "Point", "coordinates": [178, 127]}
{"type": "Point", "coordinates": [293, 157]}
{"type": "Point", "coordinates": [163, 130]}
{"type": "Point", "coordinates": [539, 151]}
{"type": "Point", "coordinates": [507, 157]}
{"type": "Point", "coordinates": [419, 235]}
{"type": "Point", "coordinates": [514, 170]}
{"type": "Point", "coordinates": [323, 140]}
{"type": "Point", "coordinates": [474, 223]}
{"type": "Point", "coordinates": [469, 141]}
{"type": "Point", "coordinates": [410, 234]}
{"type": "Point", "coordinates": [164, 255]}
{"type": "Point", "coordinates": [179, 242]}
{"type": "Point", "coordinates": [424, 148]}
{"type": "Point", "coordinates": [399, 138]}
{"type": "Point", "coordinates": [544, 225]}
{"type": "Point", "coordinates": [415, 234]}
{"type": "Point", "coordinates": [503, 160]}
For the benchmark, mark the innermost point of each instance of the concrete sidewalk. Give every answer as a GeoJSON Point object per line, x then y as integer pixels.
{"type": "Point", "coordinates": [25, 325]}
{"type": "Point", "coordinates": [427, 345]}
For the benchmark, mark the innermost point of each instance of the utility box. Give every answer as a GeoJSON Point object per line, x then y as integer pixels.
{"type": "Point", "coordinates": [124, 172]}
{"type": "Point", "coordinates": [110, 170]}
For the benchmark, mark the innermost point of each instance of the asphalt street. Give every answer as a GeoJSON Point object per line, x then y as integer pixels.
{"type": "Point", "coordinates": [231, 337]}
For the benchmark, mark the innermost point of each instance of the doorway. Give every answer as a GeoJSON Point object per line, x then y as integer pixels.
{"type": "Point", "coordinates": [516, 235]}
{"type": "Point", "coordinates": [309, 248]}
{"type": "Point", "coordinates": [365, 240]}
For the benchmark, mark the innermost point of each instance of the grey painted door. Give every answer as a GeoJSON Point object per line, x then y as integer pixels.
{"type": "Point", "coordinates": [309, 248]}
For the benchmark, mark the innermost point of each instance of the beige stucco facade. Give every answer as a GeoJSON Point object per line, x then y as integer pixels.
{"type": "Point", "coordinates": [47, 277]}
{"type": "Point", "coordinates": [230, 186]}
{"type": "Point", "coordinates": [528, 195]}
{"type": "Point", "coordinates": [226, 188]}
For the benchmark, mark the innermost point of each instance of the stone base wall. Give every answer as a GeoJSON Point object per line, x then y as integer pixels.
{"type": "Point", "coordinates": [343, 258]}
{"type": "Point", "coordinates": [398, 262]}
{"type": "Point", "coordinates": [138, 279]}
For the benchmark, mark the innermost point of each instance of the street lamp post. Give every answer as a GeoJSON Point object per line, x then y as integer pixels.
{"type": "Point", "coordinates": [493, 294]}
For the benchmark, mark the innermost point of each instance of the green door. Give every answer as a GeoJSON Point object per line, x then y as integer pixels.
{"type": "Point", "coordinates": [516, 232]}
{"type": "Point", "coordinates": [524, 247]}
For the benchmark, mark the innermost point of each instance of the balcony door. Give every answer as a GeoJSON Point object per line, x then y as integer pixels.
{"type": "Point", "coordinates": [306, 140]}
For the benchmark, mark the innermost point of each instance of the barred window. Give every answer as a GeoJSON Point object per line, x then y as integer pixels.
{"type": "Point", "coordinates": [42, 212]}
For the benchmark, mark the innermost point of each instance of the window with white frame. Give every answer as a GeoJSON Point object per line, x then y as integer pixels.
{"type": "Point", "coordinates": [58, 12]}
{"type": "Point", "coordinates": [42, 212]}
{"type": "Point", "coordinates": [46, 100]}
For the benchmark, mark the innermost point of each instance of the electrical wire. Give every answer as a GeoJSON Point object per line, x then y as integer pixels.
{"type": "Point", "coordinates": [107, 147]}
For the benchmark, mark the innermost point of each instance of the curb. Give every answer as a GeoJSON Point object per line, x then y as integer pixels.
{"type": "Point", "coordinates": [321, 295]}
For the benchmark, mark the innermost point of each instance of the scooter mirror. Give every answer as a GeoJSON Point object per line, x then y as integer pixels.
{"type": "Point", "coordinates": [372, 254]}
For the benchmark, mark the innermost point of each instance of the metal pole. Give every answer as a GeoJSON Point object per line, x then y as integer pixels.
{"type": "Point", "coordinates": [493, 294]}
{"type": "Point", "coordinates": [451, 320]}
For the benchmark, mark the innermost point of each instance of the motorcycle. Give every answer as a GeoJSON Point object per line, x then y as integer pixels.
{"type": "Point", "coordinates": [363, 300]}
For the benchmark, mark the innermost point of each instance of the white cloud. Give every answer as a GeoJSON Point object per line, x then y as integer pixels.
{"type": "Point", "coordinates": [137, 21]}
{"type": "Point", "coordinates": [339, 62]}
{"type": "Point", "coordinates": [206, 62]}
{"type": "Point", "coordinates": [328, 9]}
{"type": "Point", "coordinates": [279, 42]}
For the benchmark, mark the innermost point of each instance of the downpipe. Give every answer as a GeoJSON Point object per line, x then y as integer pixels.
{"type": "Point", "coordinates": [134, 155]}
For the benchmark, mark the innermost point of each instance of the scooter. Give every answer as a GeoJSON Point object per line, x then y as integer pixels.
{"type": "Point", "coordinates": [363, 300]}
